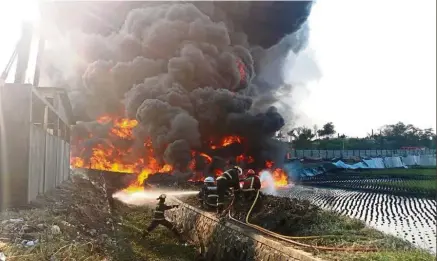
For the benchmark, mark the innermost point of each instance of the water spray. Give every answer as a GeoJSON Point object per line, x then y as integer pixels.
{"type": "Point", "coordinates": [268, 181]}
{"type": "Point", "coordinates": [148, 197]}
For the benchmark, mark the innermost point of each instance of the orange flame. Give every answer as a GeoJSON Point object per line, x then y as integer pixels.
{"type": "Point", "coordinates": [106, 156]}
{"type": "Point", "coordinates": [123, 128]}
{"type": "Point", "coordinates": [280, 177]}
{"type": "Point", "coordinates": [226, 141]}
{"type": "Point", "coordinates": [207, 157]}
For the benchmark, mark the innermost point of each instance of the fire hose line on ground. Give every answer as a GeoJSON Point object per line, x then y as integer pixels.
{"type": "Point", "coordinates": [289, 238]}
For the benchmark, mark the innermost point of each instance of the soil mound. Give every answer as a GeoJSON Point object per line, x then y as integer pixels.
{"type": "Point", "coordinates": [278, 214]}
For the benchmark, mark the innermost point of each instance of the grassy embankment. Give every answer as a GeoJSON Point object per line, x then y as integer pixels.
{"type": "Point", "coordinates": [88, 231]}
{"type": "Point", "coordinates": [292, 217]}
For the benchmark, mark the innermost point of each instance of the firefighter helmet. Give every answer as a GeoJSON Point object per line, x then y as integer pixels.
{"type": "Point", "coordinates": [162, 196]}
{"type": "Point", "coordinates": [208, 180]}
{"type": "Point", "coordinates": [251, 172]}
{"type": "Point", "coordinates": [239, 170]}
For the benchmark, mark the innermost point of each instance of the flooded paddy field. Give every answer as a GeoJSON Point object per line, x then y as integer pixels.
{"type": "Point", "coordinates": [409, 218]}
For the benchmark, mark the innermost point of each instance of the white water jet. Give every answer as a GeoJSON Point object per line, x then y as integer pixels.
{"type": "Point", "coordinates": [148, 197]}
{"type": "Point", "coordinates": [269, 183]}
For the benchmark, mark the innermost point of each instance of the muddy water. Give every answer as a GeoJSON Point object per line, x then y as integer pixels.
{"type": "Point", "coordinates": [412, 219]}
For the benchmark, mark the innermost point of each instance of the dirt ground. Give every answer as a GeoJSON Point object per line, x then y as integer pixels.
{"type": "Point", "coordinates": [75, 222]}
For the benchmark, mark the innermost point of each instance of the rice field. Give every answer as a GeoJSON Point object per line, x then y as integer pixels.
{"type": "Point", "coordinates": [400, 182]}
{"type": "Point", "coordinates": [409, 218]}
{"type": "Point", "coordinates": [393, 186]}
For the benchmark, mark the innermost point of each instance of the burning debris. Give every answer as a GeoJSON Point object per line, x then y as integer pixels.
{"type": "Point", "coordinates": [173, 91]}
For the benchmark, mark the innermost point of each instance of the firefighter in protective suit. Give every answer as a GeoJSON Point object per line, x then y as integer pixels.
{"type": "Point", "coordinates": [251, 185]}
{"type": "Point", "coordinates": [208, 193]}
{"type": "Point", "coordinates": [229, 179]}
{"type": "Point", "coordinates": [159, 218]}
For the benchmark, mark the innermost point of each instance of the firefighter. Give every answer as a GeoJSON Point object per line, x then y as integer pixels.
{"type": "Point", "coordinates": [229, 179]}
{"type": "Point", "coordinates": [159, 218]}
{"type": "Point", "coordinates": [251, 184]}
{"type": "Point", "coordinates": [208, 193]}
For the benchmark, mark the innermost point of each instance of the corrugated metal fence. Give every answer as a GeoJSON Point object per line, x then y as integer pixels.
{"type": "Point", "coordinates": [49, 162]}
{"type": "Point", "coordinates": [329, 154]}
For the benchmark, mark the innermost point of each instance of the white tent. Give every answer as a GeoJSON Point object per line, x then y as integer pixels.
{"type": "Point", "coordinates": [410, 160]}
{"type": "Point", "coordinates": [427, 160]}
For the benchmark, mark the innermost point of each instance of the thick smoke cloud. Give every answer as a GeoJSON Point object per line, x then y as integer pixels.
{"type": "Point", "coordinates": [188, 73]}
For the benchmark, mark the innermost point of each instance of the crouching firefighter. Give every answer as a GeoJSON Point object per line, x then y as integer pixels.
{"type": "Point", "coordinates": [208, 194]}
{"type": "Point", "coordinates": [159, 218]}
{"type": "Point", "coordinates": [251, 185]}
{"type": "Point", "coordinates": [229, 179]}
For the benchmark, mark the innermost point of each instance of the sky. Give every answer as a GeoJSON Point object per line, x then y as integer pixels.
{"type": "Point", "coordinates": [377, 59]}
{"type": "Point", "coordinates": [12, 14]}
{"type": "Point", "coordinates": [378, 64]}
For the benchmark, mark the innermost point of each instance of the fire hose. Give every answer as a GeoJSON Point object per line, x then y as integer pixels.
{"type": "Point", "coordinates": [291, 239]}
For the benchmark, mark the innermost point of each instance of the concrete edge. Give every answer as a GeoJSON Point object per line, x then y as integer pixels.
{"type": "Point", "coordinates": [255, 235]}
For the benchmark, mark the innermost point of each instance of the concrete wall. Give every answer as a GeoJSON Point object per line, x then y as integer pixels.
{"type": "Point", "coordinates": [227, 241]}
{"type": "Point", "coordinates": [15, 100]}
{"type": "Point", "coordinates": [34, 159]}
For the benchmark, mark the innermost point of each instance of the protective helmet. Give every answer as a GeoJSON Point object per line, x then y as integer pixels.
{"type": "Point", "coordinates": [208, 180]}
{"type": "Point", "coordinates": [162, 196]}
{"type": "Point", "coordinates": [250, 172]}
{"type": "Point", "coordinates": [239, 170]}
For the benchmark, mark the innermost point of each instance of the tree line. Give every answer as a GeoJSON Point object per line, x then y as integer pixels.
{"type": "Point", "coordinates": [390, 137]}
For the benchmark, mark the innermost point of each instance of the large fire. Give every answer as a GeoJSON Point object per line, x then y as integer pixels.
{"type": "Point", "coordinates": [106, 156]}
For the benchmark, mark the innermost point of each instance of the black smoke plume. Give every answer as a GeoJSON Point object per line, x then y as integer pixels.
{"type": "Point", "coordinates": [186, 71]}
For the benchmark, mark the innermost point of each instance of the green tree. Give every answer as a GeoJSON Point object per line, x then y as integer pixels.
{"type": "Point", "coordinates": [327, 131]}
{"type": "Point", "coordinates": [302, 137]}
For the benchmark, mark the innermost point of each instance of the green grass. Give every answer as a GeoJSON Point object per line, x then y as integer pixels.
{"type": "Point", "coordinates": [291, 217]}
{"type": "Point", "coordinates": [158, 245]}
{"type": "Point", "coordinates": [354, 233]}
{"type": "Point", "coordinates": [428, 185]}
{"type": "Point", "coordinates": [409, 171]}
{"type": "Point", "coordinates": [414, 255]}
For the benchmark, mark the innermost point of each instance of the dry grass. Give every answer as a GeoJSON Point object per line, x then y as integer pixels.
{"type": "Point", "coordinates": [88, 229]}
